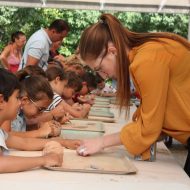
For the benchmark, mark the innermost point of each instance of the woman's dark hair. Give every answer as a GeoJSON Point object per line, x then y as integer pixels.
{"type": "Point", "coordinates": [36, 87]}
{"type": "Point", "coordinates": [31, 70]}
{"type": "Point", "coordinates": [59, 25]}
{"type": "Point", "coordinates": [16, 35]}
{"type": "Point", "coordinates": [74, 81]}
{"type": "Point", "coordinates": [54, 72]}
{"type": "Point", "coordinates": [8, 83]}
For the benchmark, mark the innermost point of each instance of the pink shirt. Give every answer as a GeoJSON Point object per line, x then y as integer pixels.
{"type": "Point", "coordinates": [13, 61]}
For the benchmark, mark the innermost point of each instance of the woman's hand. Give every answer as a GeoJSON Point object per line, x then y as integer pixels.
{"type": "Point", "coordinates": [90, 146]}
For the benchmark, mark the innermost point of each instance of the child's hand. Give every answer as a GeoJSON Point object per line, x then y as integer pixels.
{"type": "Point", "coordinates": [50, 129]}
{"type": "Point", "coordinates": [65, 119]}
{"type": "Point", "coordinates": [53, 159]}
{"type": "Point", "coordinates": [58, 111]}
{"type": "Point", "coordinates": [71, 144]}
{"type": "Point", "coordinates": [86, 107]}
{"type": "Point", "coordinates": [44, 130]}
{"type": "Point", "coordinates": [92, 96]}
{"type": "Point", "coordinates": [54, 150]}
{"type": "Point", "coordinates": [55, 128]}
{"type": "Point", "coordinates": [77, 106]}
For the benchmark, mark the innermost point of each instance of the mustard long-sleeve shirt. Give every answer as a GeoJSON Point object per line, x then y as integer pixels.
{"type": "Point", "coordinates": [161, 73]}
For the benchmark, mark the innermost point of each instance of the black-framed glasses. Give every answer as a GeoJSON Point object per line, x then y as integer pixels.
{"type": "Point", "coordinates": [98, 68]}
{"type": "Point", "coordinates": [40, 109]}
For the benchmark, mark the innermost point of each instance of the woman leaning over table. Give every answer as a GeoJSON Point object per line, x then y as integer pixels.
{"type": "Point", "coordinates": [159, 66]}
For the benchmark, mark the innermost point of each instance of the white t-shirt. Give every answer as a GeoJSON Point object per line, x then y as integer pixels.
{"type": "Point", "coordinates": [3, 137]}
{"type": "Point", "coordinates": [38, 47]}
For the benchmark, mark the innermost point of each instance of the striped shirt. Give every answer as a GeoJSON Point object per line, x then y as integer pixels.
{"type": "Point", "coordinates": [56, 100]}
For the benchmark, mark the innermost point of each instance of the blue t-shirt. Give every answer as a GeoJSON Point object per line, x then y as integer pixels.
{"type": "Point", "coordinates": [19, 124]}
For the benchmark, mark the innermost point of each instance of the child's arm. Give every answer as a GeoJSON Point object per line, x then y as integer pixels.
{"type": "Point", "coordinates": [47, 116]}
{"type": "Point", "coordinates": [17, 164]}
{"type": "Point", "coordinates": [76, 113]}
{"type": "Point", "coordinates": [38, 144]}
{"type": "Point", "coordinates": [44, 131]}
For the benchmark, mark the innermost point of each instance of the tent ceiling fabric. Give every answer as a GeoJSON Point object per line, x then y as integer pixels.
{"type": "Point", "coordinates": [169, 6]}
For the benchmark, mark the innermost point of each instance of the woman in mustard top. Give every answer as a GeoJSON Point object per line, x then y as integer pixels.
{"type": "Point", "coordinates": [159, 64]}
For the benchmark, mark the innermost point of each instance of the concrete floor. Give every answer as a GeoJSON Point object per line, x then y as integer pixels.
{"type": "Point", "coordinates": [179, 152]}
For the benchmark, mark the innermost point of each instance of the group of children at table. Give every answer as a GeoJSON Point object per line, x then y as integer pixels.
{"type": "Point", "coordinates": [33, 105]}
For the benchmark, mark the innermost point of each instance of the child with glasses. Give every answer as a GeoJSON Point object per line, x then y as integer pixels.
{"type": "Point", "coordinates": [9, 106]}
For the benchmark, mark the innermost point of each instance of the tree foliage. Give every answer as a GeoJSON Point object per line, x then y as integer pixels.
{"type": "Point", "coordinates": [29, 20]}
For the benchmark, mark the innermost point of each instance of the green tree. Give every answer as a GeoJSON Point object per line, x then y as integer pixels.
{"type": "Point", "coordinates": [29, 20]}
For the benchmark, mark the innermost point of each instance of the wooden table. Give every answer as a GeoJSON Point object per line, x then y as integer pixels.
{"type": "Point", "coordinates": [165, 173]}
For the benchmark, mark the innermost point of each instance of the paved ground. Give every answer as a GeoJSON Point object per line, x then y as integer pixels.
{"type": "Point", "coordinates": [179, 152]}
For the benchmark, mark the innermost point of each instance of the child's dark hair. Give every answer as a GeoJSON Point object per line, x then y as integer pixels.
{"type": "Point", "coordinates": [8, 83]}
{"type": "Point", "coordinates": [54, 72]}
{"type": "Point", "coordinates": [31, 70]}
{"type": "Point", "coordinates": [74, 81]}
{"type": "Point", "coordinates": [90, 79]}
{"type": "Point", "coordinates": [16, 35]}
{"type": "Point", "coordinates": [36, 87]}
{"type": "Point", "coordinates": [99, 79]}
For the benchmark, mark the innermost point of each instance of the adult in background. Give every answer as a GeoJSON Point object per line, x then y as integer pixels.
{"type": "Point", "coordinates": [12, 53]}
{"type": "Point", "coordinates": [37, 47]}
{"type": "Point", "coordinates": [159, 66]}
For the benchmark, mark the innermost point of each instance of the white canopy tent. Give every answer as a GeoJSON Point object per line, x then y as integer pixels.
{"type": "Point", "coordinates": [168, 6]}
{"type": "Point", "coordinates": [160, 6]}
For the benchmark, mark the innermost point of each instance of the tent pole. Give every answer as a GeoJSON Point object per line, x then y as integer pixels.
{"type": "Point", "coordinates": [189, 29]}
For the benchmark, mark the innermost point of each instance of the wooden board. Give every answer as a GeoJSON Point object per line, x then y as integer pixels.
{"type": "Point", "coordinates": [99, 109]}
{"type": "Point", "coordinates": [84, 125]}
{"type": "Point", "coordinates": [101, 114]}
{"type": "Point", "coordinates": [82, 129]}
{"type": "Point", "coordinates": [101, 103]}
{"type": "Point", "coordinates": [101, 99]}
{"type": "Point", "coordinates": [104, 119]}
{"type": "Point", "coordinates": [106, 162]}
